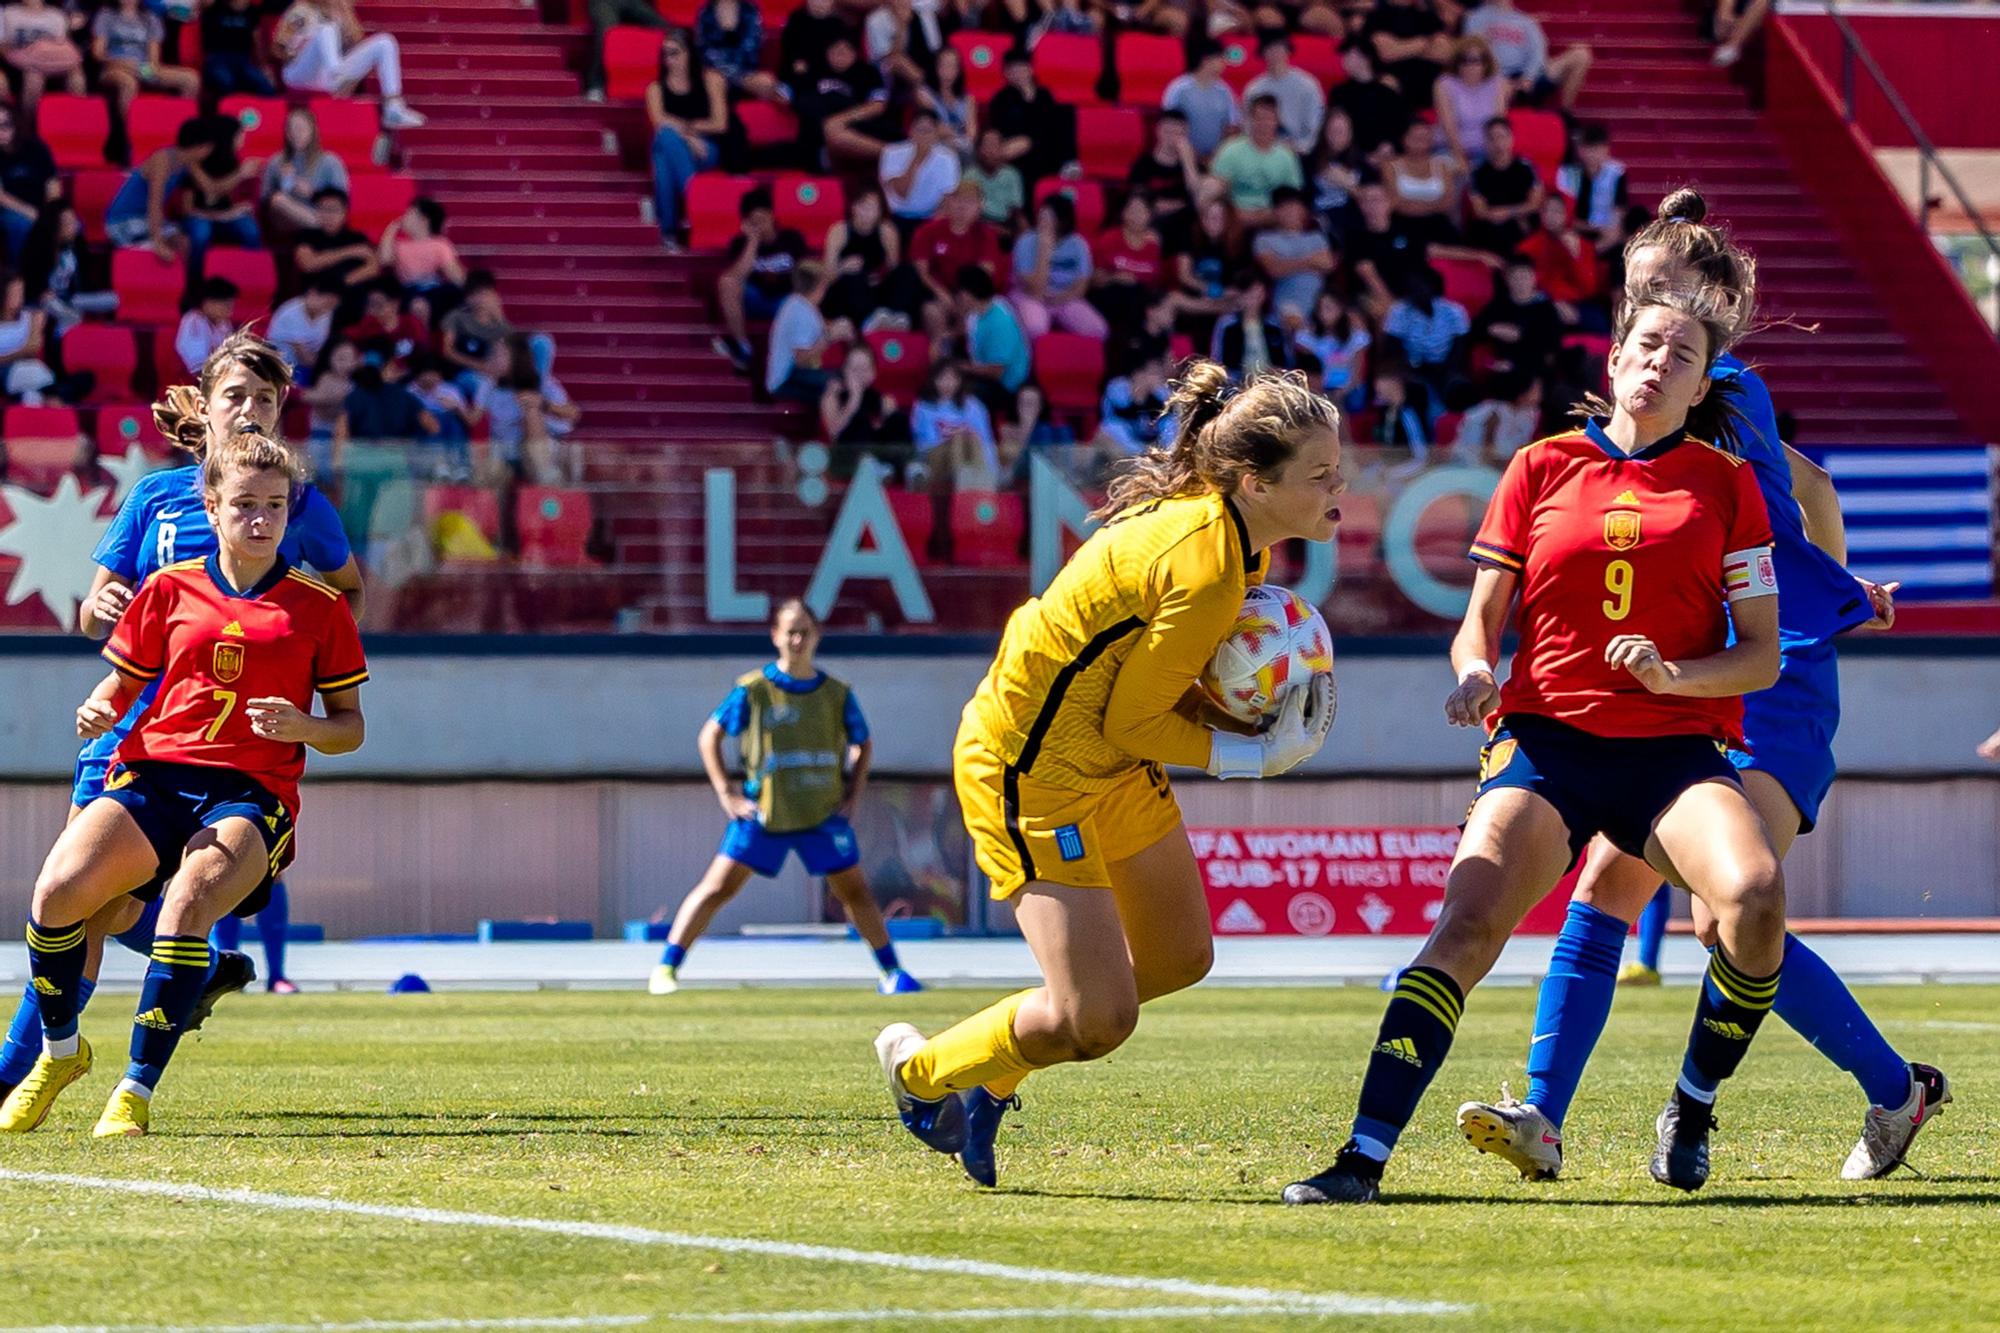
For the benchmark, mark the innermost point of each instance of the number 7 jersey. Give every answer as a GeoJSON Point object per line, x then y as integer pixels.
{"type": "Point", "coordinates": [213, 650]}
{"type": "Point", "coordinates": [1656, 543]}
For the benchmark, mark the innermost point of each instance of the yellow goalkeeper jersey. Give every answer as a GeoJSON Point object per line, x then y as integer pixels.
{"type": "Point", "coordinates": [1089, 675]}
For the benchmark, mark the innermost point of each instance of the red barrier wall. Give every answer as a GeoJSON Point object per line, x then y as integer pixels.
{"type": "Point", "coordinates": [1956, 100]}
{"type": "Point", "coordinates": [1924, 297]}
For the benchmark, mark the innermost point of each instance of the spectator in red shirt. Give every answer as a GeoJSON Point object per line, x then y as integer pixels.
{"type": "Point", "coordinates": [1566, 266]}
{"type": "Point", "coordinates": [955, 238]}
{"type": "Point", "coordinates": [387, 335]}
{"type": "Point", "coordinates": [1130, 269]}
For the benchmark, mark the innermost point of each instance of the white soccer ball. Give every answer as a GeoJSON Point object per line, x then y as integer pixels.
{"type": "Point", "coordinates": [1280, 639]}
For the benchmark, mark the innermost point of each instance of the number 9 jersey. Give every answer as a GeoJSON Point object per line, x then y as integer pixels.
{"type": "Point", "coordinates": [213, 649]}
{"type": "Point", "coordinates": [1655, 543]}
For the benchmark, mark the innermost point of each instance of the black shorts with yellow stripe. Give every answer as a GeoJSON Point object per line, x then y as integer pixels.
{"type": "Point", "coordinates": [171, 803]}
{"type": "Point", "coordinates": [1617, 786]}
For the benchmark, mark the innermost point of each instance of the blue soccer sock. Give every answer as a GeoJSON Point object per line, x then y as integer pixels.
{"type": "Point", "coordinates": [1574, 1004]}
{"type": "Point", "coordinates": [24, 1035]}
{"type": "Point", "coordinates": [227, 936]}
{"type": "Point", "coordinates": [1413, 1041]}
{"type": "Point", "coordinates": [675, 955]}
{"type": "Point", "coordinates": [56, 957]}
{"type": "Point", "coordinates": [174, 982]}
{"type": "Point", "coordinates": [1653, 927]}
{"type": "Point", "coordinates": [1731, 1009]}
{"type": "Point", "coordinates": [885, 957]}
{"type": "Point", "coordinates": [138, 937]}
{"type": "Point", "coordinates": [1818, 1006]}
{"type": "Point", "coordinates": [274, 923]}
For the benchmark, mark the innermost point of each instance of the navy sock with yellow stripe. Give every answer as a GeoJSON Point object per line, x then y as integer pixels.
{"type": "Point", "coordinates": [55, 968]}
{"type": "Point", "coordinates": [174, 982]}
{"type": "Point", "coordinates": [1731, 1009]}
{"type": "Point", "coordinates": [1413, 1041]}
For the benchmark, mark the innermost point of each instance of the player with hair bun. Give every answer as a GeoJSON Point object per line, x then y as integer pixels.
{"type": "Point", "coordinates": [202, 797]}
{"type": "Point", "coordinates": [1635, 547]}
{"type": "Point", "coordinates": [1059, 761]}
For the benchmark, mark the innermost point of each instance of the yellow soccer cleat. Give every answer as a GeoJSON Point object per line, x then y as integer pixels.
{"type": "Point", "coordinates": [1636, 973]}
{"type": "Point", "coordinates": [664, 981]}
{"type": "Point", "coordinates": [126, 1116]}
{"type": "Point", "coordinates": [28, 1105]}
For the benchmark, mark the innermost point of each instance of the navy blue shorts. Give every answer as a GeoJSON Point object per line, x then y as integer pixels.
{"type": "Point", "coordinates": [824, 849]}
{"type": "Point", "coordinates": [172, 802]}
{"type": "Point", "coordinates": [1618, 787]}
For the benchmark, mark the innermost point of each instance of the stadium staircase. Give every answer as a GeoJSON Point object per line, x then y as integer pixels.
{"type": "Point", "coordinates": [1844, 371]}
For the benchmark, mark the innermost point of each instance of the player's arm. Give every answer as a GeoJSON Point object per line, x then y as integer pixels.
{"type": "Point", "coordinates": [860, 754]}
{"type": "Point", "coordinates": [1745, 667]}
{"type": "Point", "coordinates": [1819, 503]}
{"type": "Point", "coordinates": [347, 582]}
{"type": "Point", "coordinates": [106, 704]}
{"type": "Point", "coordinates": [340, 731]}
{"type": "Point", "coordinates": [709, 745]}
{"type": "Point", "coordinates": [109, 596]}
{"type": "Point", "coordinates": [1197, 607]}
{"type": "Point", "coordinates": [1476, 644]}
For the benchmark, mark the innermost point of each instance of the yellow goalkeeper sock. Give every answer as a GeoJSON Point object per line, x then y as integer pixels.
{"type": "Point", "coordinates": [980, 1050]}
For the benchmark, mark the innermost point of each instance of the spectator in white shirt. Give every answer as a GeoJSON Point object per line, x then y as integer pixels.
{"type": "Point", "coordinates": [204, 328]}
{"type": "Point", "coordinates": [301, 326]}
{"type": "Point", "coordinates": [919, 172]}
{"type": "Point", "coordinates": [1301, 101]}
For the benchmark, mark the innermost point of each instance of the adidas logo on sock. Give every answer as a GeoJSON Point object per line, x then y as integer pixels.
{"type": "Point", "coordinates": [43, 986]}
{"type": "Point", "coordinates": [155, 1019]}
{"type": "Point", "coordinates": [1402, 1048]}
{"type": "Point", "coordinates": [1729, 1030]}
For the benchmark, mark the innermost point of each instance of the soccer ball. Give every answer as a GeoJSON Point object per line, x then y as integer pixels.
{"type": "Point", "coordinates": [1280, 639]}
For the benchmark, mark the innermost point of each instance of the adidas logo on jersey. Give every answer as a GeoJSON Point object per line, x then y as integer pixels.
{"type": "Point", "coordinates": [1626, 498]}
{"type": "Point", "coordinates": [1240, 918]}
{"type": "Point", "coordinates": [1402, 1048]}
{"type": "Point", "coordinates": [1730, 1030]}
{"type": "Point", "coordinates": [156, 1019]}
{"type": "Point", "coordinates": [234, 629]}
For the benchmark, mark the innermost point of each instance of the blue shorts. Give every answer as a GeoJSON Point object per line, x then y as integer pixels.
{"type": "Point", "coordinates": [759, 304]}
{"type": "Point", "coordinates": [172, 802]}
{"type": "Point", "coordinates": [1615, 786]}
{"type": "Point", "coordinates": [824, 850]}
{"type": "Point", "coordinates": [1789, 729]}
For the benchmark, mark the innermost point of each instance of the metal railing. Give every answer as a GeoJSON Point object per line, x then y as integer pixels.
{"type": "Point", "coordinates": [1855, 55]}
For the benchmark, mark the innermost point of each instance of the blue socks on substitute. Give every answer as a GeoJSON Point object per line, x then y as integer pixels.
{"type": "Point", "coordinates": [1653, 927]}
{"type": "Point", "coordinates": [273, 926]}
{"type": "Point", "coordinates": [174, 982]}
{"type": "Point", "coordinates": [885, 957]}
{"type": "Point", "coordinates": [1413, 1041]}
{"type": "Point", "coordinates": [675, 955]}
{"type": "Point", "coordinates": [1816, 1004]}
{"type": "Point", "coordinates": [1574, 1004]}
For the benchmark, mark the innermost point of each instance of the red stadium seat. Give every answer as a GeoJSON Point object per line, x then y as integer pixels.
{"type": "Point", "coordinates": [1466, 281]}
{"type": "Point", "coordinates": [164, 357]}
{"type": "Point", "coordinates": [154, 120]}
{"type": "Point", "coordinates": [554, 526]}
{"type": "Point", "coordinates": [254, 272]}
{"type": "Point", "coordinates": [811, 204]}
{"type": "Point", "coordinates": [109, 353]}
{"type": "Point", "coordinates": [1318, 55]}
{"type": "Point", "coordinates": [148, 287]}
{"type": "Point", "coordinates": [711, 203]}
{"type": "Point", "coordinates": [1241, 61]}
{"type": "Point", "coordinates": [916, 517]}
{"type": "Point", "coordinates": [349, 126]}
{"type": "Point", "coordinates": [1444, 433]}
{"type": "Point", "coordinates": [1070, 369]}
{"type": "Point", "coordinates": [765, 125]}
{"type": "Point", "coordinates": [1088, 196]}
{"type": "Point", "coordinates": [631, 60]}
{"type": "Point", "coordinates": [1069, 65]}
{"type": "Point", "coordinates": [984, 55]}
{"type": "Point", "coordinates": [477, 503]}
{"type": "Point", "coordinates": [41, 440]}
{"type": "Point", "coordinates": [376, 201]}
{"type": "Point", "coordinates": [74, 128]}
{"type": "Point", "coordinates": [1146, 62]}
{"type": "Point", "coordinates": [1541, 138]}
{"type": "Point", "coordinates": [92, 190]}
{"type": "Point", "coordinates": [986, 529]}
{"type": "Point", "coordinates": [777, 11]}
{"type": "Point", "coordinates": [128, 425]}
{"type": "Point", "coordinates": [901, 362]}
{"type": "Point", "coordinates": [263, 121]}
{"type": "Point", "coordinates": [680, 13]}
{"type": "Point", "coordinates": [1109, 140]}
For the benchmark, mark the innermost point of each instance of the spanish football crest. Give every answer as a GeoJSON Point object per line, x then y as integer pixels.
{"type": "Point", "coordinates": [228, 661]}
{"type": "Point", "coordinates": [1621, 529]}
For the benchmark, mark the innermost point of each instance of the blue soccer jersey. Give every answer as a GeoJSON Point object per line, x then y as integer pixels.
{"type": "Point", "coordinates": [162, 522]}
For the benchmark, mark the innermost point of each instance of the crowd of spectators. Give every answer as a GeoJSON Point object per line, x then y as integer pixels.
{"type": "Point", "coordinates": [1379, 230]}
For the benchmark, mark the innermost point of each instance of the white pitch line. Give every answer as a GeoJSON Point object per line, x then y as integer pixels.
{"type": "Point", "coordinates": [963, 1316]}
{"type": "Point", "coordinates": [1325, 1303]}
{"type": "Point", "coordinates": [359, 1325]}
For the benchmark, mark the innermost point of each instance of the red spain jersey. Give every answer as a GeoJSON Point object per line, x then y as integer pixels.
{"type": "Point", "coordinates": [1656, 543]}
{"type": "Point", "coordinates": [213, 651]}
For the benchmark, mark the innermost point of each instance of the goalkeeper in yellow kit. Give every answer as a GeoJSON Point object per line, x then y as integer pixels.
{"type": "Point", "coordinates": [1059, 756]}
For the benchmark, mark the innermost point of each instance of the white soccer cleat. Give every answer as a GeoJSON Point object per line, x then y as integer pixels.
{"type": "Point", "coordinates": [1886, 1134]}
{"type": "Point", "coordinates": [1517, 1132]}
{"type": "Point", "coordinates": [939, 1124]}
{"type": "Point", "coordinates": [663, 981]}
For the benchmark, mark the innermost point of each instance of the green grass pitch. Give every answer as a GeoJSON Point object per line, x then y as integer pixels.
{"type": "Point", "coordinates": [758, 1114]}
